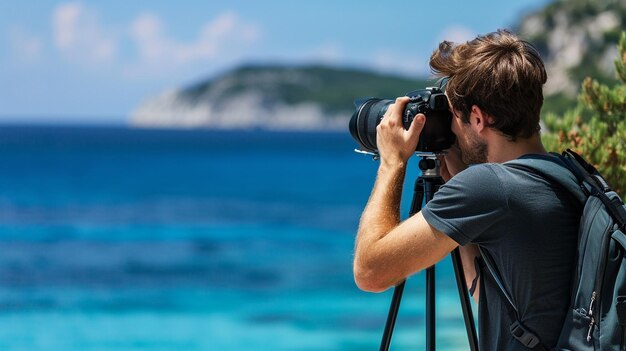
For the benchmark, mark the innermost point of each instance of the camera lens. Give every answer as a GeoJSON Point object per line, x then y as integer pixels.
{"type": "Point", "coordinates": [363, 123]}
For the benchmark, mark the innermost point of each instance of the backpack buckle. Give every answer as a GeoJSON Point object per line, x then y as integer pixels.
{"type": "Point", "coordinates": [523, 335]}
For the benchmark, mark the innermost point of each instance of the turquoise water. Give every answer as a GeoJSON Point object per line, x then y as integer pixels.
{"type": "Point", "coordinates": [122, 239]}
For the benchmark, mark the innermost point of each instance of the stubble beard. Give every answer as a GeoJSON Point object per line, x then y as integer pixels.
{"type": "Point", "coordinates": [473, 150]}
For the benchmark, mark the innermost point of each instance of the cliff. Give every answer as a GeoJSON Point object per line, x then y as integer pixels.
{"type": "Point", "coordinates": [577, 39]}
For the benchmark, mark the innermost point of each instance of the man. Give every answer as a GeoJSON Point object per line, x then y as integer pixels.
{"type": "Point", "coordinates": [528, 225]}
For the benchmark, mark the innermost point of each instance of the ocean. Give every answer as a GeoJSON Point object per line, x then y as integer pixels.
{"type": "Point", "coordinates": [129, 239]}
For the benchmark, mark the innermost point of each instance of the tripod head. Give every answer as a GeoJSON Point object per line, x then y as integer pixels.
{"type": "Point", "coordinates": [430, 164]}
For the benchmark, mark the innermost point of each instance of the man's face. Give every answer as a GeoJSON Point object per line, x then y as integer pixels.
{"type": "Point", "coordinates": [473, 148]}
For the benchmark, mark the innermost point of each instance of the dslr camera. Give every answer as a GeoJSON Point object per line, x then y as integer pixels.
{"type": "Point", "coordinates": [437, 133]}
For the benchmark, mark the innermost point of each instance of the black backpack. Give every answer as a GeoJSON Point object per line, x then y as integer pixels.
{"type": "Point", "coordinates": [596, 319]}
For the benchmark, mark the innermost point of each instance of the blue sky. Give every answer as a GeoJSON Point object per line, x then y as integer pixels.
{"type": "Point", "coordinates": [94, 61]}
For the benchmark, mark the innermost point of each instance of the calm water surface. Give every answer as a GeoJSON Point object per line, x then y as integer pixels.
{"type": "Point", "coordinates": [124, 239]}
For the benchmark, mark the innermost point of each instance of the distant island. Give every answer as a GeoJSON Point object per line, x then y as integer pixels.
{"type": "Point", "coordinates": [275, 97]}
{"type": "Point", "coordinates": [576, 38]}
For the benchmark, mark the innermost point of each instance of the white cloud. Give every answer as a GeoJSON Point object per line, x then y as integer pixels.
{"type": "Point", "coordinates": [329, 52]}
{"type": "Point", "coordinates": [78, 34]}
{"type": "Point", "coordinates": [24, 45]}
{"type": "Point", "coordinates": [221, 37]}
{"type": "Point", "coordinates": [146, 30]}
{"type": "Point", "coordinates": [399, 62]}
{"type": "Point", "coordinates": [457, 34]}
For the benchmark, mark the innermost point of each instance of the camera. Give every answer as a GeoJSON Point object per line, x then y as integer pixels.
{"type": "Point", "coordinates": [437, 133]}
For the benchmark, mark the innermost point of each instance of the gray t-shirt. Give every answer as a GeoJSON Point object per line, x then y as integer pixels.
{"type": "Point", "coordinates": [530, 228]}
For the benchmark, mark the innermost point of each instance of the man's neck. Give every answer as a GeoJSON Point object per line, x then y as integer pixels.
{"type": "Point", "coordinates": [500, 149]}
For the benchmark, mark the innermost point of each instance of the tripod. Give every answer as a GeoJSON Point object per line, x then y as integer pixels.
{"type": "Point", "coordinates": [425, 187]}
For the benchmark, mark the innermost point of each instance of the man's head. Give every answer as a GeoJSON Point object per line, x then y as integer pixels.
{"type": "Point", "coordinates": [500, 74]}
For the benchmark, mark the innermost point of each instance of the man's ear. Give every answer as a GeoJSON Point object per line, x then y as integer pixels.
{"type": "Point", "coordinates": [479, 119]}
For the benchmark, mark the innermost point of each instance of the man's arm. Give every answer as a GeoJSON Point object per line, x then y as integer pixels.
{"type": "Point", "coordinates": [387, 250]}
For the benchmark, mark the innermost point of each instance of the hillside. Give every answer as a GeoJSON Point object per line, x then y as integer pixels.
{"type": "Point", "coordinates": [271, 97]}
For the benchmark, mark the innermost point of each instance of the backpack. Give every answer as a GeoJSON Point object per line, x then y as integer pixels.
{"type": "Point", "coordinates": [596, 319]}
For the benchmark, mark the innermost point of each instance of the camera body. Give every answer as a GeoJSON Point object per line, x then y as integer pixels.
{"type": "Point", "coordinates": [432, 102]}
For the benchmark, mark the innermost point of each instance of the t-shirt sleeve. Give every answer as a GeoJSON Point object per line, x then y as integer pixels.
{"type": "Point", "coordinates": [468, 205]}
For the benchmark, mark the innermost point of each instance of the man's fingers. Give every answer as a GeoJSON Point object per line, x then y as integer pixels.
{"type": "Point", "coordinates": [396, 110]}
{"type": "Point", "coordinates": [417, 126]}
{"type": "Point", "coordinates": [394, 142]}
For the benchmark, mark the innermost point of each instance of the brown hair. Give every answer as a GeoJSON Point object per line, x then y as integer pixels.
{"type": "Point", "coordinates": [498, 72]}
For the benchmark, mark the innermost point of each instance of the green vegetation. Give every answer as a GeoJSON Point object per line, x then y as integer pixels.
{"type": "Point", "coordinates": [334, 89]}
{"type": "Point", "coordinates": [557, 104]}
{"type": "Point", "coordinates": [596, 127]}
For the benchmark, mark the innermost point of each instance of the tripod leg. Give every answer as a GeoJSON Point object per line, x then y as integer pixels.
{"type": "Point", "coordinates": [430, 309]}
{"type": "Point", "coordinates": [466, 306]}
{"type": "Point", "coordinates": [391, 317]}
{"type": "Point", "coordinates": [431, 185]}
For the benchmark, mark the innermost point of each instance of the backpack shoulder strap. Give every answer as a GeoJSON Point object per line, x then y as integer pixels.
{"type": "Point", "coordinates": [594, 184]}
{"type": "Point", "coordinates": [557, 171]}
{"type": "Point", "coordinates": [519, 331]}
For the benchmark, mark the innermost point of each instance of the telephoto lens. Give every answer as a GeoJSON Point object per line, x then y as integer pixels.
{"type": "Point", "coordinates": [437, 133]}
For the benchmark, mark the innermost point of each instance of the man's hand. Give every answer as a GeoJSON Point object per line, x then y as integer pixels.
{"type": "Point", "coordinates": [395, 144]}
{"type": "Point", "coordinates": [451, 163]}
